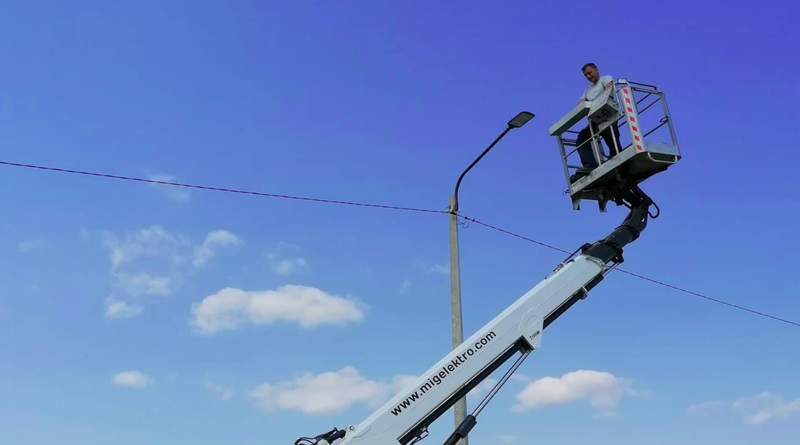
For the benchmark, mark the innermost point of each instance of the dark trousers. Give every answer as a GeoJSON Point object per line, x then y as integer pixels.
{"type": "Point", "coordinates": [585, 152]}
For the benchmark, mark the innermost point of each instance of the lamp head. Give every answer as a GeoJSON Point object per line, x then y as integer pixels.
{"type": "Point", "coordinates": [521, 119]}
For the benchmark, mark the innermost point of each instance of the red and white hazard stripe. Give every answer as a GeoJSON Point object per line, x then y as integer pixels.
{"type": "Point", "coordinates": [633, 118]}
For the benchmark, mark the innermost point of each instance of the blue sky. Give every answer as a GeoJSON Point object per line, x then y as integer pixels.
{"type": "Point", "coordinates": [140, 315]}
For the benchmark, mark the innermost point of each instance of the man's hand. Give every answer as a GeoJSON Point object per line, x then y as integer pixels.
{"type": "Point", "coordinates": [609, 88]}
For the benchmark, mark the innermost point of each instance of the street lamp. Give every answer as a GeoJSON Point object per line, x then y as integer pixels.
{"type": "Point", "coordinates": [455, 270]}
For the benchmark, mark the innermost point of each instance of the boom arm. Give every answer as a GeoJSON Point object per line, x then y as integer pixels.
{"type": "Point", "coordinates": [405, 418]}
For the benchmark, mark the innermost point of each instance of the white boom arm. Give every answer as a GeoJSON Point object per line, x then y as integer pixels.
{"type": "Point", "coordinates": [404, 419]}
{"type": "Point", "coordinates": [522, 322]}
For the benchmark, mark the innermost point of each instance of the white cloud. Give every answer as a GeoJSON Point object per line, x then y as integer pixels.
{"type": "Point", "coordinates": [401, 382]}
{"type": "Point", "coordinates": [602, 389]}
{"type": "Point", "coordinates": [131, 379]}
{"type": "Point", "coordinates": [508, 438]}
{"type": "Point", "coordinates": [120, 309]}
{"type": "Point", "coordinates": [214, 240]}
{"type": "Point", "coordinates": [30, 245]}
{"type": "Point", "coordinates": [153, 262]}
{"type": "Point", "coordinates": [436, 268]}
{"type": "Point", "coordinates": [703, 409]}
{"type": "Point", "coordinates": [144, 284]}
{"type": "Point", "coordinates": [173, 192]}
{"type": "Point", "coordinates": [520, 377]}
{"type": "Point", "coordinates": [286, 263]}
{"type": "Point", "coordinates": [222, 393]}
{"type": "Point", "coordinates": [307, 306]}
{"type": "Point", "coordinates": [154, 241]}
{"type": "Point", "coordinates": [328, 392]}
{"type": "Point", "coordinates": [286, 267]}
{"type": "Point", "coordinates": [766, 406]}
{"type": "Point", "coordinates": [443, 269]}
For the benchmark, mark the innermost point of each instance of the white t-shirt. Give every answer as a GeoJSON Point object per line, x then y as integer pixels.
{"type": "Point", "coordinates": [595, 89]}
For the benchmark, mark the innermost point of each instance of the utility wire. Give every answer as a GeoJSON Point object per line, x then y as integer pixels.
{"type": "Point", "coordinates": [516, 235]}
{"type": "Point", "coordinates": [271, 195]}
{"type": "Point", "coordinates": [709, 298]}
{"type": "Point", "coordinates": [413, 209]}
{"type": "Point", "coordinates": [641, 276]}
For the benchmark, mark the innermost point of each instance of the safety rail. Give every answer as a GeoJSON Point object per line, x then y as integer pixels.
{"type": "Point", "coordinates": [630, 106]}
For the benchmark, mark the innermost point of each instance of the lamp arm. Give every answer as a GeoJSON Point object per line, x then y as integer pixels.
{"type": "Point", "coordinates": [458, 184]}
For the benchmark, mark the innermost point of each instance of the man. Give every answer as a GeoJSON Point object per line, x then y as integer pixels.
{"type": "Point", "coordinates": [598, 85]}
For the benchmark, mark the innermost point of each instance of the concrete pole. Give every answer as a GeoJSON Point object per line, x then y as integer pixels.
{"type": "Point", "coordinates": [455, 301]}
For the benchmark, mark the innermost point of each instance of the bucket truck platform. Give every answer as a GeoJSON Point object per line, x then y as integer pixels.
{"type": "Point", "coordinates": [638, 159]}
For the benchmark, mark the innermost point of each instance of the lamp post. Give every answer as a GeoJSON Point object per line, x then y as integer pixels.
{"type": "Point", "coordinates": [455, 270]}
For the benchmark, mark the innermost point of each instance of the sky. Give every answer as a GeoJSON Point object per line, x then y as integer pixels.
{"type": "Point", "coordinates": [132, 313]}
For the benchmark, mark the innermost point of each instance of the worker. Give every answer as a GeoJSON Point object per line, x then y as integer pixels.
{"type": "Point", "coordinates": [598, 85]}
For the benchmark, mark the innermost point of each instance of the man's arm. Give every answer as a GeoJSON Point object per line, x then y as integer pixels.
{"type": "Point", "coordinates": [609, 84]}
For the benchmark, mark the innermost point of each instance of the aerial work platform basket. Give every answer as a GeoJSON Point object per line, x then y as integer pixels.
{"type": "Point", "coordinates": [643, 153]}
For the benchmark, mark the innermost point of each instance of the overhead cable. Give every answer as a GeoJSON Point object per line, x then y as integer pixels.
{"type": "Point", "coordinates": [389, 207]}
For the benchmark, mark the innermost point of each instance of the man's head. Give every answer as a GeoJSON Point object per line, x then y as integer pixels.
{"type": "Point", "coordinates": [590, 72]}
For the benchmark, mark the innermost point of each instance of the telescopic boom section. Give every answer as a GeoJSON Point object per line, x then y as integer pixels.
{"type": "Point", "coordinates": [405, 418]}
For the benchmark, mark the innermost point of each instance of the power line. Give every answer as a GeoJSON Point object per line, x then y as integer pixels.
{"type": "Point", "coordinates": [516, 235]}
{"type": "Point", "coordinates": [660, 283]}
{"type": "Point", "coordinates": [218, 189]}
{"type": "Point", "coordinates": [709, 298]}
{"type": "Point", "coordinates": [413, 209]}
